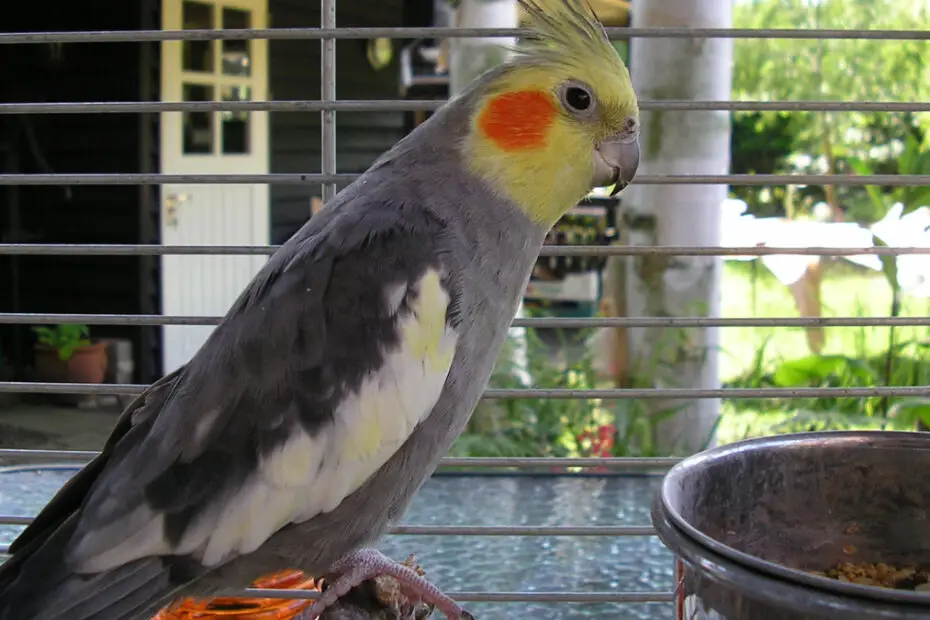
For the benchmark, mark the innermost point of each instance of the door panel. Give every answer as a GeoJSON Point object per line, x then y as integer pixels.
{"type": "Point", "coordinates": [211, 142]}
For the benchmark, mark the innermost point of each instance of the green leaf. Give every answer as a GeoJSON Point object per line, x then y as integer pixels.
{"type": "Point", "coordinates": [64, 338]}
{"type": "Point", "coordinates": [809, 419]}
{"type": "Point", "coordinates": [45, 335]}
{"type": "Point", "coordinates": [917, 197]}
{"type": "Point", "coordinates": [875, 194]}
{"type": "Point", "coordinates": [816, 369]}
{"type": "Point", "coordinates": [907, 413]}
{"type": "Point", "coordinates": [65, 352]}
{"type": "Point", "coordinates": [909, 159]}
{"type": "Point", "coordinates": [889, 265]}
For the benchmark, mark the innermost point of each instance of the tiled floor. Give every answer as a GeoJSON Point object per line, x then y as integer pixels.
{"type": "Point", "coordinates": [49, 427]}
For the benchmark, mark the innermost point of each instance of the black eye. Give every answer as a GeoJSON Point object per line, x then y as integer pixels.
{"type": "Point", "coordinates": [578, 98]}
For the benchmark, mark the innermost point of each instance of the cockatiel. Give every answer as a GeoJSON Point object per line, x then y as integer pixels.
{"type": "Point", "coordinates": [346, 369]}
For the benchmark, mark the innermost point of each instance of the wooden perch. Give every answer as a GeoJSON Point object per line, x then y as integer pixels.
{"type": "Point", "coordinates": [377, 599]}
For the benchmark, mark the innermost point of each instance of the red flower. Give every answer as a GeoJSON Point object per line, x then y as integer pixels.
{"type": "Point", "coordinates": [601, 443]}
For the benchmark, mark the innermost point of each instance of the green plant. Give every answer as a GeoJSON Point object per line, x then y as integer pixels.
{"type": "Point", "coordinates": [529, 427]}
{"type": "Point", "coordinates": [912, 368]}
{"type": "Point", "coordinates": [761, 143]}
{"type": "Point", "coordinates": [65, 339]}
{"type": "Point", "coordinates": [781, 70]}
{"type": "Point", "coordinates": [914, 159]}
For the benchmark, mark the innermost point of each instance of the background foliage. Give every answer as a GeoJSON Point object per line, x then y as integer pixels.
{"type": "Point", "coordinates": [831, 70]}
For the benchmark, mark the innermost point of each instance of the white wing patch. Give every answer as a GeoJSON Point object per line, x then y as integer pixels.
{"type": "Point", "coordinates": [308, 475]}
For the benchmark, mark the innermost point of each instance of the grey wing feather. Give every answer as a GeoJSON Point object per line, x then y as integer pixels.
{"type": "Point", "coordinates": [43, 542]}
{"type": "Point", "coordinates": [69, 497]}
{"type": "Point", "coordinates": [194, 436]}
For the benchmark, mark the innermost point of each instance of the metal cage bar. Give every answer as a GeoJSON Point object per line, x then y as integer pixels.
{"type": "Point", "coordinates": [746, 180]}
{"type": "Point", "coordinates": [65, 249]}
{"type": "Point", "coordinates": [157, 320]}
{"type": "Point", "coordinates": [329, 177]}
{"type": "Point", "coordinates": [39, 387]}
{"type": "Point", "coordinates": [139, 36]}
{"type": "Point", "coordinates": [405, 105]}
{"type": "Point", "coordinates": [534, 462]}
{"type": "Point", "coordinates": [328, 95]}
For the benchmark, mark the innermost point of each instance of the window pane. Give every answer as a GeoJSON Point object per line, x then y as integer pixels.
{"type": "Point", "coordinates": [235, 123]}
{"type": "Point", "coordinates": [197, 55]}
{"type": "Point", "coordinates": [197, 126]}
{"type": "Point", "coordinates": [236, 54]}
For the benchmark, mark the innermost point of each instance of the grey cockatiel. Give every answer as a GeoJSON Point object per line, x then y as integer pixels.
{"type": "Point", "coordinates": [307, 421]}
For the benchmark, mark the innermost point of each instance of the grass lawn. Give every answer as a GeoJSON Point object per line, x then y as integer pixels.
{"type": "Point", "coordinates": [749, 289]}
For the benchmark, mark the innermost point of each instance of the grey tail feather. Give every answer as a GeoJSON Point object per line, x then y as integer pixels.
{"type": "Point", "coordinates": [40, 587]}
{"type": "Point", "coordinates": [132, 592]}
{"type": "Point", "coordinates": [136, 591]}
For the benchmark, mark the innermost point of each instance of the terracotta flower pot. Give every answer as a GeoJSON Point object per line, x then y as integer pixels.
{"type": "Point", "coordinates": [87, 365]}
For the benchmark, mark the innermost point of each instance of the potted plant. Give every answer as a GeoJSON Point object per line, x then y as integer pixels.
{"type": "Point", "coordinates": [65, 354]}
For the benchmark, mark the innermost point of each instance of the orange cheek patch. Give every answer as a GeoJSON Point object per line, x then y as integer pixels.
{"type": "Point", "coordinates": [518, 121]}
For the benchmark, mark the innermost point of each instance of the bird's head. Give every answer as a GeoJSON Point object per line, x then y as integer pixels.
{"type": "Point", "coordinates": [557, 119]}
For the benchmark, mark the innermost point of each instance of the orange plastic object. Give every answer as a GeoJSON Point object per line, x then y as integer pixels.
{"type": "Point", "coordinates": [247, 608]}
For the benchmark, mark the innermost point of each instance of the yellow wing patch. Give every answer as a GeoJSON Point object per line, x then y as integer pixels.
{"type": "Point", "coordinates": [424, 336]}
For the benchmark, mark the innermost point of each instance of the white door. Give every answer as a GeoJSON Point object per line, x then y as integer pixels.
{"type": "Point", "coordinates": [217, 143]}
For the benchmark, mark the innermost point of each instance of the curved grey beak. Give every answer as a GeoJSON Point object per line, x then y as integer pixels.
{"type": "Point", "coordinates": [615, 162]}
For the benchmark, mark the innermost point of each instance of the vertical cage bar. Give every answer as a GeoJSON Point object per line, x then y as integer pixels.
{"type": "Point", "coordinates": [328, 94]}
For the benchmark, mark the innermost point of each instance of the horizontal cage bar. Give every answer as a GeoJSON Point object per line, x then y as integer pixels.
{"type": "Point", "coordinates": [477, 530]}
{"type": "Point", "coordinates": [14, 387]}
{"type": "Point", "coordinates": [405, 105]}
{"type": "Point", "coordinates": [25, 318]}
{"type": "Point", "coordinates": [473, 597]}
{"type": "Point", "coordinates": [65, 249]}
{"type": "Point", "coordinates": [141, 36]}
{"type": "Point", "coordinates": [497, 462]}
{"type": "Point", "coordinates": [849, 180]}
{"type": "Point", "coordinates": [494, 597]}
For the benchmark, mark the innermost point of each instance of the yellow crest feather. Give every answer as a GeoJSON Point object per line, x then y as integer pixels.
{"type": "Point", "coordinates": [564, 31]}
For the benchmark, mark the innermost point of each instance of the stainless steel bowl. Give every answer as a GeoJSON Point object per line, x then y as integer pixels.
{"type": "Point", "coordinates": [749, 519]}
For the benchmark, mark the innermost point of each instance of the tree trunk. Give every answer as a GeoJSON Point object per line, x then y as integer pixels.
{"type": "Point", "coordinates": [687, 142]}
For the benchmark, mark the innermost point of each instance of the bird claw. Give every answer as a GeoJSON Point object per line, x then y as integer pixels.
{"type": "Point", "coordinates": [368, 564]}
